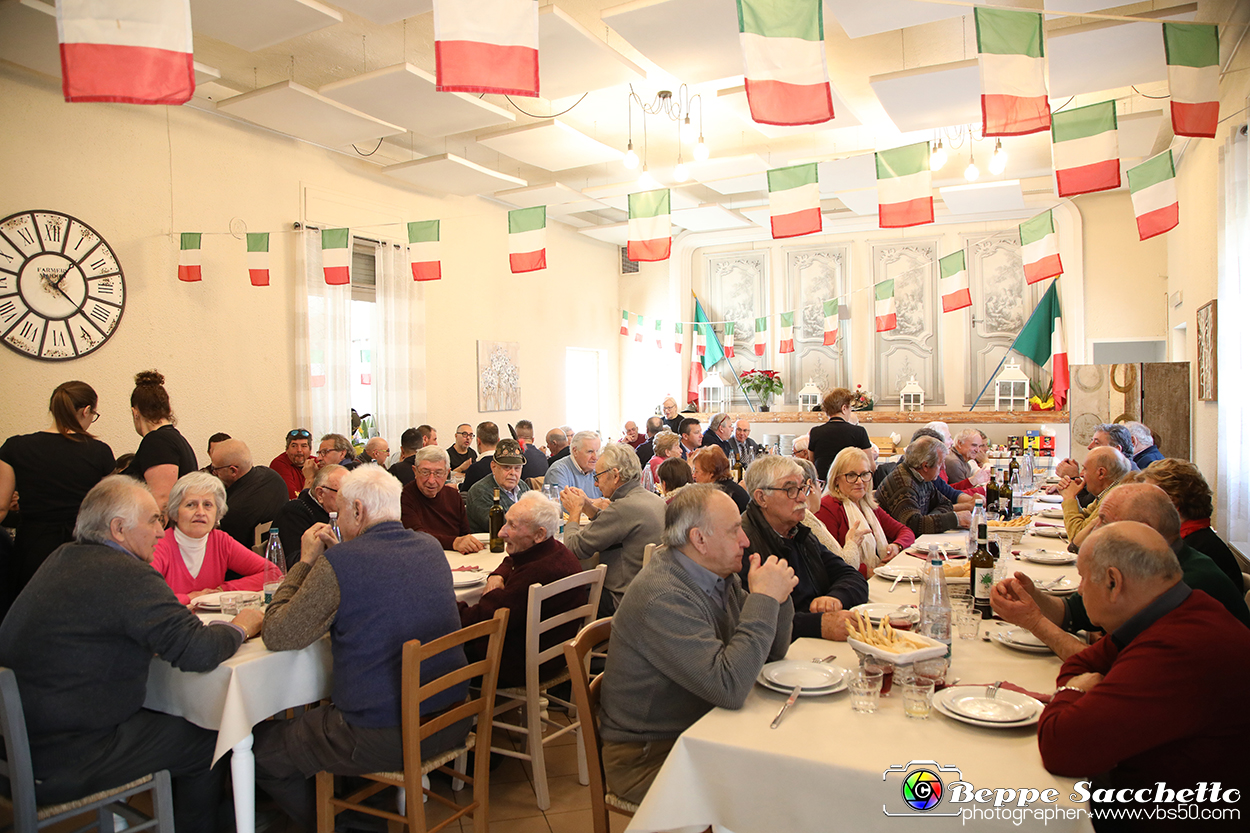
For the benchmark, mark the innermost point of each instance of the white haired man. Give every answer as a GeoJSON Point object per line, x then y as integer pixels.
{"type": "Point", "coordinates": [1145, 451]}
{"type": "Point", "coordinates": [909, 494]}
{"type": "Point", "coordinates": [255, 493]}
{"type": "Point", "coordinates": [82, 661]}
{"type": "Point", "coordinates": [742, 444]}
{"type": "Point", "coordinates": [1104, 467]}
{"type": "Point", "coordinates": [720, 428]}
{"type": "Point", "coordinates": [967, 447]}
{"type": "Point", "coordinates": [382, 586]}
{"type": "Point", "coordinates": [578, 469]}
{"type": "Point", "coordinates": [313, 506]}
{"type": "Point", "coordinates": [429, 505]}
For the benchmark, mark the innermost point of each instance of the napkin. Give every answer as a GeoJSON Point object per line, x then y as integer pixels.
{"type": "Point", "coordinates": [466, 569]}
{"type": "Point", "coordinates": [1044, 698]}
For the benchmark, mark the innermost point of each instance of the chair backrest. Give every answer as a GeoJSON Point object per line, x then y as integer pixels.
{"type": "Point", "coordinates": [647, 552]}
{"type": "Point", "coordinates": [261, 535]}
{"type": "Point", "coordinates": [536, 626]}
{"type": "Point", "coordinates": [16, 766]}
{"type": "Point", "coordinates": [586, 698]}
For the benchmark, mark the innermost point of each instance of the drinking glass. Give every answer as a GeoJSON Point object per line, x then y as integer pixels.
{"type": "Point", "coordinates": [968, 623]}
{"type": "Point", "coordinates": [934, 670]}
{"type": "Point", "coordinates": [865, 686]}
{"type": "Point", "coordinates": [886, 669]}
{"type": "Point", "coordinates": [270, 588]}
{"type": "Point", "coordinates": [918, 699]}
{"type": "Point", "coordinates": [231, 603]}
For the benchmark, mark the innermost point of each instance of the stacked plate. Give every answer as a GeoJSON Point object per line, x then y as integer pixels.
{"type": "Point", "coordinates": [1048, 557]}
{"type": "Point", "coordinates": [1005, 710]}
{"type": "Point", "coordinates": [817, 678]}
{"type": "Point", "coordinates": [1049, 498]}
{"type": "Point", "coordinates": [1049, 531]}
{"type": "Point", "coordinates": [949, 551]}
{"type": "Point", "coordinates": [1021, 640]}
{"type": "Point", "coordinates": [876, 611]}
{"type": "Point", "coordinates": [1066, 586]}
{"type": "Point", "coordinates": [891, 571]}
{"type": "Point", "coordinates": [1051, 512]}
{"type": "Point", "coordinates": [212, 601]}
{"type": "Point", "coordinates": [468, 578]}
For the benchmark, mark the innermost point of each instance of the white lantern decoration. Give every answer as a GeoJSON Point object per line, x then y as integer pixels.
{"type": "Point", "coordinates": [911, 397]}
{"type": "Point", "coordinates": [1011, 389]}
{"type": "Point", "coordinates": [809, 397]}
{"type": "Point", "coordinates": [712, 392]}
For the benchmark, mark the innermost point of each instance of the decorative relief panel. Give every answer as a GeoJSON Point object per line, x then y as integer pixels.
{"type": "Point", "coordinates": [737, 291]}
{"type": "Point", "coordinates": [814, 276]}
{"type": "Point", "coordinates": [911, 349]}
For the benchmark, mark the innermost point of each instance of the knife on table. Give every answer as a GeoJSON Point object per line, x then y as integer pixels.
{"type": "Point", "coordinates": [794, 695]}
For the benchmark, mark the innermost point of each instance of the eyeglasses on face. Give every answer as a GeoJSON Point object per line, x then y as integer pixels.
{"type": "Point", "coordinates": [94, 415]}
{"type": "Point", "coordinates": [216, 469]}
{"type": "Point", "coordinates": [599, 474]}
{"type": "Point", "coordinates": [792, 491]}
{"type": "Point", "coordinates": [328, 489]}
{"type": "Point", "coordinates": [468, 434]}
{"type": "Point", "coordinates": [852, 476]}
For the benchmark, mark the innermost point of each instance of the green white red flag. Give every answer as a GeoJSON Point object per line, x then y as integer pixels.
{"type": "Point", "coordinates": [120, 50]}
{"type": "Point", "coordinates": [886, 311]}
{"type": "Point", "coordinates": [700, 339]}
{"type": "Point", "coordinates": [527, 239]}
{"type": "Point", "coordinates": [336, 256]}
{"type": "Point", "coordinates": [258, 258]}
{"type": "Point", "coordinates": [679, 338]}
{"type": "Point", "coordinates": [1011, 51]}
{"type": "Point", "coordinates": [659, 334]}
{"type": "Point", "coordinates": [953, 282]}
{"type": "Point", "coordinates": [650, 232]}
{"type": "Point", "coordinates": [624, 322]}
{"type": "Point", "coordinates": [423, 250]}
{"type": "Point", "coordinates": [783, 51]}
{"type": "Point", "coordinates": [1193, 55]}
{"type": "Point", "coordinates": [785, 338]}
{"type": "Point", "coordinates": [904, 186]}
{"type": "Point", "coordinates": [317, 369]}
{"type": "Point", "coordinates": [1152, 187]}
{"type": "Point", "coordinates": [486, 46]}
{"type": "Point", "coordinates": [794, 201]}
{"type": "Point", "coordinates": [638, 329]}
{"type": "Point", "coordinates": [1086, 149]}
{"type": "Point", "coordinates": [830, 309]}
{"type": "Point", "coordinates": [1042, 341]}
{"type": "Point", "coordinates": [729, 339]}
{"type": "Point", "coordinates": [189, 257]}
{"type": "Point", "coordinates": [1039, 248]}
{"type": "Point", "coordinates": [761, 335]}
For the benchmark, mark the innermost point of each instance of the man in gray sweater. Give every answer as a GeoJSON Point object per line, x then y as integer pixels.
{"type": "Point", "coordinates": [688, 637]}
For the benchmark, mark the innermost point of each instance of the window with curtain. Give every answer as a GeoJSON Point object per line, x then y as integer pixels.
{"type": "Point", "coordinates": [1233, 342]}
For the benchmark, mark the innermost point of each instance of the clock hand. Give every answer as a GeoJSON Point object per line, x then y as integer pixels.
{"type": "Point", "coordinates": [57, 286]}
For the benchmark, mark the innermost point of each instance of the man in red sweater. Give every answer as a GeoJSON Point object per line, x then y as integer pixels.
{"type": "Point", "coordinates": [428, 504]}
{"type": "Point", "coordinates": [1156, 707]}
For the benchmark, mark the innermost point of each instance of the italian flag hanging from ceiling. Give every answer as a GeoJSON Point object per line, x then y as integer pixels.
{"type": "Point", "coordinates": [1011, 51]}
{"type": "Point", "coordinates": [1152, 187]}
{"type": "Point", "coordinates": [423, 250]}
{"type": "Point", "coordinates": [830, 309]}
{"type": "Point", "coordinates": [650, 233]}
{"type": "Point", "coordinates": [887, 312]}
{"type": "Point", "coordinates": [189, 257]}
{"type": "Point", "coordinates": [659, 334]}
{"type": "Point", "coordinates": [794, 201]}
{"type": "Point", "coordinates": [678, 338]}
{"type": "Point", "coordinates": [123, 51]}
{"type": "Point", "coordinates": [783, 52]}
{"type": "Point", "coordinates": [1193, 55]}
{"type": "Point", "coordinates": [1086, 149]}
{"type": "Point", "coordinates": [258, 258]}
{"type": "Point", "coordinates": [904, 186]}
{"type": "Point", "coordinates": [527, 239]}
{"type": "Point", "coordinates": [729, 339]}
{"type": "Point", "coordinates": [1039, 248]}
{"type": "Point", "coordinates": [953, 282]}
{"type": "Point", "coordinates": [761, 335]}
{"type": "Point", "coordinates": [638, 329]}
{"type": "Point", "coordinates": [785, 338]}
{"type": "Point", "coordinates": [486, 46]}
{"type": "Point", "coordinates": [336, 256]}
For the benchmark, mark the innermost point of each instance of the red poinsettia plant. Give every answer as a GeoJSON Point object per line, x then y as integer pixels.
{"type": "Point", "coordinates": [762, 383]}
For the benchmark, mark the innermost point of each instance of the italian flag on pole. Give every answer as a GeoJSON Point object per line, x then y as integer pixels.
{"type": "Point", "coordinates": [783, 50]}
{"type": "Point", "coordinates": [1193, 54]}
{"type": "Point", "coordinates": [624, 322]}
{"type": "Point", "coordinates": [1042, 341]}
{"type": "Point", "coordinates": [761, 335]}
{"type": "Point", "coordinates": [954, 282]}
{"type": "Point", "coordinates": [650, 233]}
{"type": "Point", "coordinates": [486, 46]}
{"type": "Point", "coordinates": [258, 258]}
{"type": "Point", "coordinates": [830, 309]}
{"type": "Point", "coordinates": [1086, 149]}
{"type": "Point", "coordinates": [638, 329]}
{"type": "Point", "coordinates": [1039, 248]}
{"type": "Point", "coordinates": [1011, 52]}
{"type": "Point", "coordinates": [887, 312]}
{"type": "Point", "coordinates": [527, 239]}
{"type": "Point", "coordinates": [794, 201]}
{"type": "Point", "coordinates": [120, 50]}
{"type": "Point", "coordinates": [904, 186]}
{"type": "Point", "coordinates": [423, 252]}
{"type": "Point", "coordinates": [785, 338]}
{"type": "Point", "coordinates": [729, 339]}
{"type": "Point", "coordinates": [1152, 187]}
{"type": "Point", "coordinates": [189, 257]}
{"type": "Point", "coordinates": [336, 255]}
{"type": "Point", "coordinates": [678, 338]}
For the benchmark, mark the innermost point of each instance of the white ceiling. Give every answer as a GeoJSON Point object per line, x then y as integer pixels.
{"type": "Point", "coordinates": [340, 72]}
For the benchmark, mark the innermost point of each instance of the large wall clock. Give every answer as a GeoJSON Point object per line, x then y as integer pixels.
{"type": "Point", "coordinates": [62, 292]}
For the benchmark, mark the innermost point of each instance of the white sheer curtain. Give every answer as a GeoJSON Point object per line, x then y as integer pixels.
{"type": "Point", "coordinates": [1233, 344]}
{"type": "Point", "coordinates": [324, 389]}
{"type": "Point", "coordinates": [392, 333]}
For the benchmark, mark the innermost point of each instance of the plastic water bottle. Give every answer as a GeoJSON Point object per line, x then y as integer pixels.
{"type": "Point", "coordinates": [935, 602]}
{"type": "Point", "coordinates": [334, 526]}
{"type": "Point", "coordinates": [275, 568]}
{"type": "Point", "coordinates": [978, 517]}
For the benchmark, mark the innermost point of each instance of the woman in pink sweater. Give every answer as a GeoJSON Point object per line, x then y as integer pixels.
{"type": "Point", "coordinates": [868, 535]}
{"type": "Point", "coordinates": [194, 555]}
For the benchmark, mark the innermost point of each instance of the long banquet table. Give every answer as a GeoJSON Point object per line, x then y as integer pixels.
{"type": "Point", "coordinates": [826, 766]}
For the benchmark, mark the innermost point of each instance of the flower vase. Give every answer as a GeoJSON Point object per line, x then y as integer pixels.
{"type": "Point", "coordinates": [764, 407]}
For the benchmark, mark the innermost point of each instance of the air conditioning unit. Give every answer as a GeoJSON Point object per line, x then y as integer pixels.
{"type": "Point", "coordinates": [628, 267]}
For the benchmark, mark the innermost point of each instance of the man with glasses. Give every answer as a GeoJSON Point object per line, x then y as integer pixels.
{"type": "Point", "coordinates": [506, 462]}
{"type": "Point", "coordinates": [487, 439]}
{"type": "Point", "coordinates": [910, 496]}
{"type": "Point", "coordinates": [742, 444]}
{"type": "Point", "coordinates": [672, 415]}
{"type": "Point", "coordinates": [313, 506]}
{"type": "Point", "coordinates": [429, 505]}
{"type": "Point", "coordinates": [255, 494]}
{"type": "Point", "coordinates": [290, 464]}
{"type": "Point", "coordinates": [460, 455]}
{"type": "Point", "coordinates": [773, 522]}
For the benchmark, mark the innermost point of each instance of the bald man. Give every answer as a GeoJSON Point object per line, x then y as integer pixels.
{"type": "Point", "coordinates": [254, 494]}
{"type": "Point", "coordinates": [377, 450]}
{"type": "Point", "coordinates": [1104, 467]}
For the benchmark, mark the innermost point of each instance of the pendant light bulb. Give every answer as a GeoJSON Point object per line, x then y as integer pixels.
{"type": "Point", "coordinates": [971, 172]}
{"type": "Point", "coordinates": [681, 173]}
{"type": "Point", "coordinates": [998, 162]}
{"type": "Point", "coordinates": [645, 179]}
{"type": "Point", "coordinates": [631, 158]}
{"type": "Point", "coordinates": [701, 151]}
{"type": "Point", "coordinates": [938, 158]}
{"type": "Point", "coordinates": [687, 130]}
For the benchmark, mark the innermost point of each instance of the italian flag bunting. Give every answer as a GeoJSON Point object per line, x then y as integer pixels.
{"type": "Point", "coordinates": [189, 257]}
{"type": "Point", "coordinates": [1193, 54]}
{"type": "Point", "coordinates": [1042, 341]}
{"type": "Point", "coordinates": [1086, 149]}
{"type": "Point", "coordinates": [729, 339]}
{"type": "Point", "coordinates": [700, 339]}
{"type": "Point", "coordinates": [954, 282]}
{"type": "Point", "coordinates": [423, 250]}
{"type": "Point", "coordinates": [624, 322]}
{"type": "Point", "coordinates": [844, 308]}
{"type": "Point", "coordinates": [638, 329]}
{"type": "Point", "coordinates": [527, 239]}
{"type": "Point", "coordinates": [783, 51]}
{"type": "Point", "coordinates": [258, 258]}
{"type": "Point", "coordinates": [794, 201]}
{"type": "Point", "coordinates": [1011, 52]}
{"type": "Point", "coordinates": [317, 369]}
{"type": "Point", "coordinates": [659, 335]}
{"type": "Point", "coordinates": [904, 186]}
{"type": "Point", "coordinates": [120, 50]}
{"type": "Point", "coordinates": [678, 338]}
{"type": "Point", "coordinates": [650, 233]}
{"type": "Point", "coordinates": [1039, 248]}
{"type": "Point", "coordinates": [830, 308]}
{"type": "Point", "coordinates": [887, 316]}
{"type": "Point", "coordinates": [761, 335]}
{"type": "Point", "coordinates": [1152, 186]}
{"type": "Point", "coordinates": [785, 338]}
{"type": "Point", "coordinates": [486, 46]}
{"type": "Point", "coordinates": [336, 255]}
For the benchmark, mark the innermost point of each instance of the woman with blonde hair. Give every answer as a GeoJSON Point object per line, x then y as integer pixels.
{"type": "Point", "coordinates": [667, 445]}
{"type": "Point", "coordinates": [869, 536]}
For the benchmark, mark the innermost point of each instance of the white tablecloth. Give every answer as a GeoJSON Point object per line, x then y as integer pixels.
{"type": "Point", "coordinates": [823, 768]}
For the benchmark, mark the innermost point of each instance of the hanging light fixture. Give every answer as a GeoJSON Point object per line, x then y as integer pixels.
{"type": "Point", "coordinates": [937, 159]}
{"type": "Point", "coordinates": [631, 158]}
{"type": "Point", "coordinates": [998, 162]}
{"type": "Point", "coordinates": [701, 151]}
{"type": "Point", "coordinates": [681, 173]}
{"type": "Point", "coordinates": [645, 179]}
{"type": "Point", "coordinates": [678, 108]}
{"type": "Point", "coordinates": [971, 172]}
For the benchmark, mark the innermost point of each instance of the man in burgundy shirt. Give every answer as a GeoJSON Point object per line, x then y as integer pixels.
{"type": "Point", "coordinates": [428, 504]}
{"type": "Point", "coordinates": [1155, 707]}
{"type": "Point", "coordinates": [290, 463]}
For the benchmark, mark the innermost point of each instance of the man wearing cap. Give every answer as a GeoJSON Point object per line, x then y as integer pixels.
{"type": "Point", "coordinates": [505, 475]}
{"type": "Point", "coordinates": [290, 463]}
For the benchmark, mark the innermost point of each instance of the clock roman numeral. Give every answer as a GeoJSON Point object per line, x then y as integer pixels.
{"type": "Point", "coordinates": [99, 264]}
{"type": "Point", "coordinates": [28, 329]}
{"type": "Point", "coordinates": [100, 313]}
{"type": "Point", "coordinates": [52, 231]}
{"type": "Point", "coordinates": [105, 288]}
{"type": "Point", "coordinates": [7, 309]}
{"type": "Point", "coordinates": [25, 234]}
{"type": "Point", "coordinates": [58, 338]}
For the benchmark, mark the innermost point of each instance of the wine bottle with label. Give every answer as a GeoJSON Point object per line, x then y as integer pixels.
{"type": "Point", "coordinates": [992, 509]}
{"type": "Point", "coordinates": [496, 524]}
{"type": "Point", "coordinates": [982, 571]}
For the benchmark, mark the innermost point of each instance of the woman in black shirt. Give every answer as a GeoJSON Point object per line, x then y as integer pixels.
{"type": "Point", "coordinates": [163, 455]}
{"type": "Point", "coordinates": [836, 434]}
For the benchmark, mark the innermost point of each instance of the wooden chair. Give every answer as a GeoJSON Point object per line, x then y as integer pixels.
{"type": "Point", "coordinates": [28, 816]}
{"type": "Point", "coordinates": [586, 697]}
{"type": "Point", "coordinates": [415, 729]}
{"type": "Point", "coordinates": [527, 696]}
{"type": "Point", "coordinates": [647, 552]}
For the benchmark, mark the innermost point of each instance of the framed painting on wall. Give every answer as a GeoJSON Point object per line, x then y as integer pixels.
{"type": "Point", "coordinates": [498, 376]}
{"type": "Point", "coordinates": [1207, 366]}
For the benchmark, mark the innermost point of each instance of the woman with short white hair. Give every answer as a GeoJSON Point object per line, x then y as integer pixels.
{"type": "Point", "coordinates": [869, 536]}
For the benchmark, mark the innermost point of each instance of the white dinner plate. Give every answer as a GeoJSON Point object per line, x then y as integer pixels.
{"type": "Point", "coordinates": [875, 611]}
{"type": "Point", "coordinates": [464, 578]}
{"type": "Point", "coordinates": [788, 673]}
{"type": "Point", "coordinates": [212, 601]}
{"type": "Point", "coordinates": [1021, 640]}
{"type": "Point", "coordinates": [1048, 557]}
{"type": "Point", "coordinates": [1066, 587]}
{"type": "Point", "coordinates": [968, 704]}
{"type": "Point", "coordinates": [1050, 531]}
{"type": "Point", "coordinates": [484, 537]}
{"type": "Point", "coordinates": [1049, 498]}
{"type": "Point", "coordinates": [889, 572]}
{"type": "Point", "coordinates": [1051, 512]}
{"type": "Point", "coordinates": [948, 550]}
{"type": "Point", "coordinates": [835, 671]}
